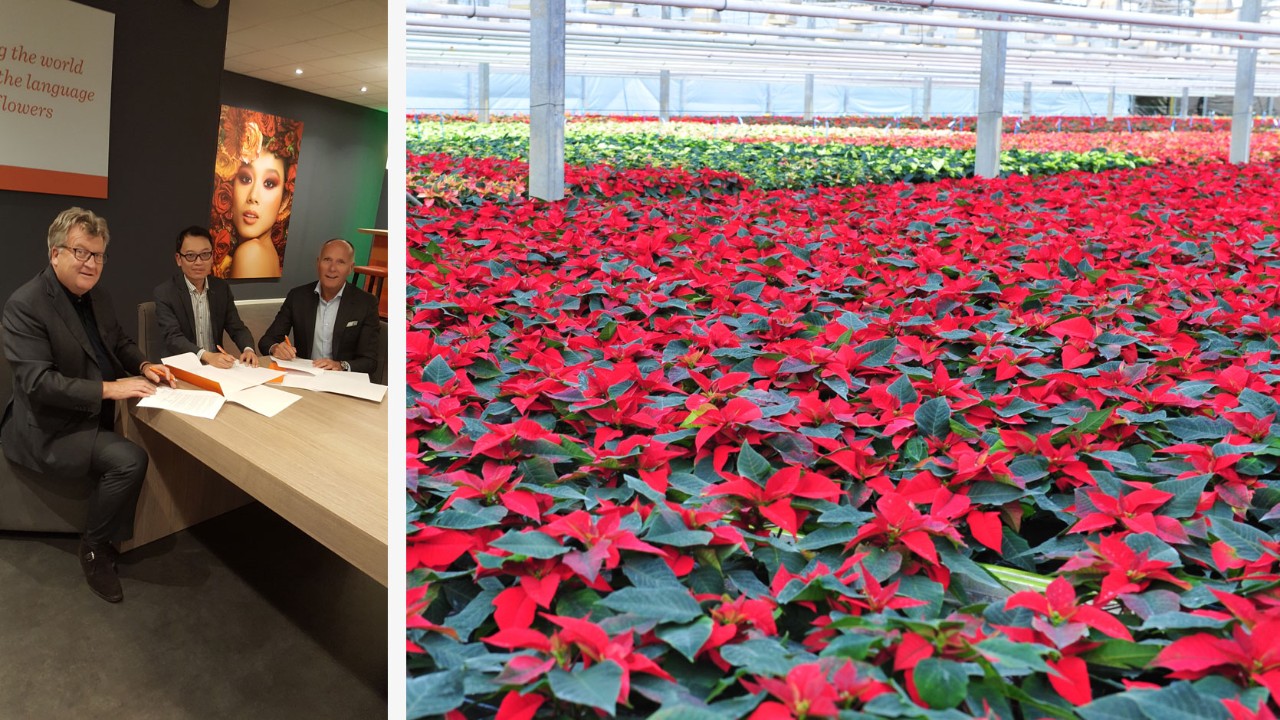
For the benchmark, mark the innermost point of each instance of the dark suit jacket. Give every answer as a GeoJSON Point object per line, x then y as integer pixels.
{"type": "Point", "coordinates": [355, 330]}
{"type": "Point", "coordinates": [52, 420]}
{"type": "Point", "coordinates": [177, 319]}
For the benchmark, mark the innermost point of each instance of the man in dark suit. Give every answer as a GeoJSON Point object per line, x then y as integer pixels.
{"type": "Point", "coordinates": [71, 361]}
{"type": "Point", "coordinates": [334, 323]}
{"type": "Point", "coordinates": [193, 309]}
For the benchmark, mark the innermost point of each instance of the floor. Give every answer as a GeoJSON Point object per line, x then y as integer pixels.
{"type": "Point", "coordinates": [242, 616]}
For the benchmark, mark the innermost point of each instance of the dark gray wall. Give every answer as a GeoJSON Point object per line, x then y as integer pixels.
{"type": "Point", "coordinates": [340, 175]}
{"type": "Point", "coordinates": [165, 84]}
{"type": "Point", "coordinates": [166, 90]}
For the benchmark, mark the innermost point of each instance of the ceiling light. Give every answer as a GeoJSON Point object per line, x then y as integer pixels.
{"type": "Point", "coordinates": [298, 71]}
{"type": "Point", "coordinates": [364, 89]}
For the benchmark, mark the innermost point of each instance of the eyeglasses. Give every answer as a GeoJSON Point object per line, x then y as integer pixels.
{"type": "Point", "coordinates": [83, 255]}
{"type": "Point", "coordinates": [193, 256]}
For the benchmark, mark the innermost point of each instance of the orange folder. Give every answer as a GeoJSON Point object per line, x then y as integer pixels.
{"type": "Point", "coordinates": [200, 382]}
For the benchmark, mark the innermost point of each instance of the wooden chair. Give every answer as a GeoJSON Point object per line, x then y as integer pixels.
{"type": "Point", "coordinates": [372, 278]}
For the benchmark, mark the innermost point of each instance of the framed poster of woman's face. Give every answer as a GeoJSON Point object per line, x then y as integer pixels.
{"type": "Point", "coordinates": [254, 173]}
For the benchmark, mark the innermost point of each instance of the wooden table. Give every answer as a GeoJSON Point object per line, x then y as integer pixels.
{"type": "Point", "coordinates": [321, 464]}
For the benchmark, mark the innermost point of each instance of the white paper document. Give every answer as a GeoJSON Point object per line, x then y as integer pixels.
{"type": "Point", "coordinates": [354, 384]}
{"type": "Point", "coordinates": [238, 378]}
{"type": "Point", "coordinates": [301, 365]}
{"type": "Point", "coordinates": [263, 400]}
{"type": "Point", "coordinates": [231, 379]}
{"type": "Point", "coordinates": [200, 403]}
{"type": "Point", "coordinates": [185, 361]}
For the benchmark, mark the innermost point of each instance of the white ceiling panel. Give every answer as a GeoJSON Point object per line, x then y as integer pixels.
{"type": "Point", "coordinates": [340, 45]}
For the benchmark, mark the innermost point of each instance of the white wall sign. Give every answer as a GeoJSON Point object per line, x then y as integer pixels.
{"type": "Point", "coordinates": [55, 97]}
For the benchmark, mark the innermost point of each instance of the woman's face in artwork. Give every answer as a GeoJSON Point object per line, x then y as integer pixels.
{"type": "Point", "coordinates": [258, 193]}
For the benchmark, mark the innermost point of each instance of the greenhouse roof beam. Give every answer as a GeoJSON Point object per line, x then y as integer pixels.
{"type": "Point", "coordinates": [1069, 12]}
{"type": "Point", "coordinates": [796, 33]}
{"type": "Point", "coordinates": [1131, 81]}
{"type": "Point", "coordinates": [816, 57]}
{"type": "Point", "coordinates": [1095, 61]}
{"type": "Point", "coordinates": [1125, 83]}
{"type": "Point", "coordinates": [922, 19]}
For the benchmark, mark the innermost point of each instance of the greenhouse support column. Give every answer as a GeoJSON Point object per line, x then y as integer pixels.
{"type": "Point", "coordinates": [808, 98]}
{"type": "Point", "coordinates": [1242, 105]}
{"type": "Point", "coordinates": [664, 95]}
{"type": "Point", "coordinates": [546, 99]}
{"type": "Point", "coordinates": [1185, 111]}
{"type": "Point", "coordinates": [1026, 101]}
{"type": "Point", "coordinates": [926, 99]}
{"type": "Point", "coordinates": [482, 115]}
{"type": "Point", "coordinates": [1111, 104]}
{"type": "Point", "coordinates": [991, 102]}
{"type": "Point", "coordinates": [1271, 107]}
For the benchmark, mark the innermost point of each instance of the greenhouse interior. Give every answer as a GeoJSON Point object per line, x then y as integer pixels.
{"type": "Point", "coordinates": [796, 360]}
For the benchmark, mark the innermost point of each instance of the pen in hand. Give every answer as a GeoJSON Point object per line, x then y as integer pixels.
{"type": "Point", "coordinates": [162, 373]}
{"type": "Point", "coordinates": [222, 359]}
{"type": "Point", "coordinates": [284, 350]}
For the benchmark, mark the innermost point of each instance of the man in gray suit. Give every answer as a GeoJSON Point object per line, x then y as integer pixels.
{"type": "Point", "coordinates": [71, 361]}
{"type": "Point", "coordinates": [193, 309]}
{"type": "Point", "coordinates": [334, 323]}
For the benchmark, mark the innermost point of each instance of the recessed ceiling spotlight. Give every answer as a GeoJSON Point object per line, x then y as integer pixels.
{"type": "Point", "coordinates": [298, 71]}
{"type": "Point", "coordinates": [364, 89]}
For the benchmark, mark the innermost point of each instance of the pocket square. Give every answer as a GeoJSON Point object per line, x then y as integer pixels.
{"type": "Point", "coordinates": [353, 323]}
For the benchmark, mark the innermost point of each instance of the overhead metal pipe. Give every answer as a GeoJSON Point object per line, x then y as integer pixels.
{"type": "Point", "coordinates": [1182, 71]}
{"type": "Point", "coordinates": [1130, 81]}
{"type": "Point", "coordinates": [836, 13]}
{"type": "Point", "coordinates": [816, 60]}
{"type": "Point", "coordinates": [1006, 7]}
{"type": "Point", "coordinates": [795, 33]}
{"type": "Point", "coordinates": [1084, 14]}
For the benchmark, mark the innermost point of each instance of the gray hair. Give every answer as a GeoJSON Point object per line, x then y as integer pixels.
{"type": "Point", "coordinates": [86, 220]}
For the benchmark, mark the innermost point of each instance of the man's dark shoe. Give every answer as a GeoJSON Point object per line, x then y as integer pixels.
{"type": "Point", "coordinates": [98, 564]}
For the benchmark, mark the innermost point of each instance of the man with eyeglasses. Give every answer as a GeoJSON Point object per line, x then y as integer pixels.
{"type": "Point", "coordinates": [71, 361]}
{"type": "Point", "coordinates": [193, 308]}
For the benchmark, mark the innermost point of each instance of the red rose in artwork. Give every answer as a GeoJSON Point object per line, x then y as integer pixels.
{"type": "Point", "coordinates": [222, 198]}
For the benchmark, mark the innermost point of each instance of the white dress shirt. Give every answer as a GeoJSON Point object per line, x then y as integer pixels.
{"type": "Point", "coordinates": [326, 316]}
{"type": "Point", "coordinates": [200, 311]}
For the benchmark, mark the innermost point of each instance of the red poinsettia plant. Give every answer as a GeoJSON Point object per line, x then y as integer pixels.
{"type": "Point", "coordinates": [681, 448]}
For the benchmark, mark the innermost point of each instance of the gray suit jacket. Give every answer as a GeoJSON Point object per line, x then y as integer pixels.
{"type": "Point", "coordinates": [52, 420]}
{"type": "Point", "coordinates": [177, 321]}
{"type": "Point", "coordinates": [355, 330]}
